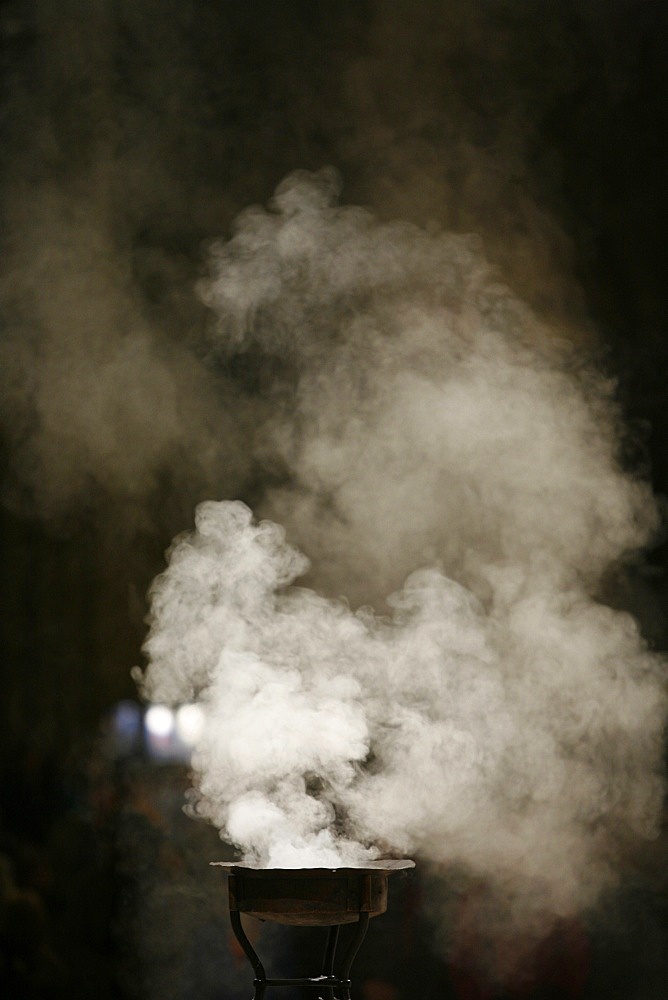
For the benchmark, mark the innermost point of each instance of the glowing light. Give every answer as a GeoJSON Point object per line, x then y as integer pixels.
{"type": "Point", "coordinates": [189, 724]}
{"type": "Point", "coordinates": [126, 720]}
{"type": "Point", "coordinates": [124, 735]}
{"type": "Point", "coordinates": [159, 721]}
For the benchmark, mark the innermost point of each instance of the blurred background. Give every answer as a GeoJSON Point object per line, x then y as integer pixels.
{"type": "Point", "coordinates": [134, 132]}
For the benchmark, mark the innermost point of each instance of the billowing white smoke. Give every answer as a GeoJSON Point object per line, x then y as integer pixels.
{"type": "Point", "coordinates": [452, 461]}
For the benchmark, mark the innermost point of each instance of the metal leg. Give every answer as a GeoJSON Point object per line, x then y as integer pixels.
{"type": "Point", "coordinates": [329, 959]}
{"type": "Point", "coordinates": [327, 982]}
{"type": "Point", "coordinates": [260, 981]}
{"type": "Point", "coordinates": [349, 957]}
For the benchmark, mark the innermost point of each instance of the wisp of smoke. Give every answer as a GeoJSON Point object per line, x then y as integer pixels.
{"type": "Point", "coordinates": [452, 461]}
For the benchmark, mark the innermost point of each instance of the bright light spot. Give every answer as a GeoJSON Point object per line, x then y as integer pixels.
{"type": "Point", "coordinates": [159, 720]}
{"type": "Point", "coordinates": [124, 732]}
{"type": "Point", "coordinates": [126, 720]}
{"type": "Point", "coordinates": [189, 724]}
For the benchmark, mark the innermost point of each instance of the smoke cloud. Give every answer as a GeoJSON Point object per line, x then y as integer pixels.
{"type": "Point", "coordinates": [100, 403]}
{"type": "Point", "coordinates": [373, 387]}
{"type": "Point", "coordinates": [135, 131]}
{"type": "Point", "coordinates": [441, 455]}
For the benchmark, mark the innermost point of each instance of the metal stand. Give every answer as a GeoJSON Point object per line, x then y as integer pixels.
{"type": "Point", "coordinates": [328, 980]}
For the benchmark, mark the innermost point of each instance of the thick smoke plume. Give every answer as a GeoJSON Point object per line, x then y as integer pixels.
{"type": "Point", "coordinates": [442, 455]}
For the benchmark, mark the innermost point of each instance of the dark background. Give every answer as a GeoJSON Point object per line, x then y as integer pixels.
{"type": "Point", "coordinates": [134, 131]}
